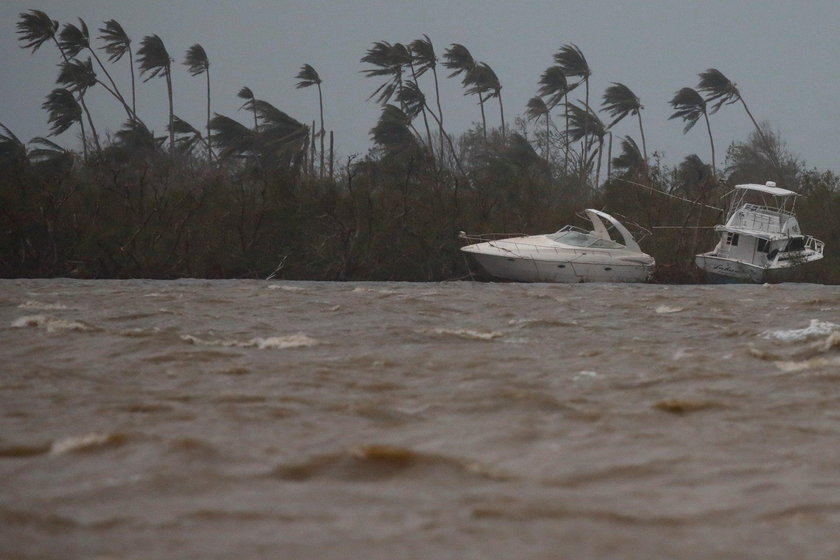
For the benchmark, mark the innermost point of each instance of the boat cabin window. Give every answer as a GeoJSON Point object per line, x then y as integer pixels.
{"type": "Point", "coordinates": [732, 239]}
{"type": "Point", "coordinates": [762, 245]}
{"type": "Point", "coordinates": [795, 244]}
{"type": "Point", "coordinates": [579, 238]}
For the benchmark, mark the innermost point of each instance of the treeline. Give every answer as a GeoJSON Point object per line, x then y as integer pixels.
{"type": "Point", "coordinates": [266, 199]}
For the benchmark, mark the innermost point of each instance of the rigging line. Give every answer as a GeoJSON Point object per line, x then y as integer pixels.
{"type": "Point", "coordinates": [671, 195]}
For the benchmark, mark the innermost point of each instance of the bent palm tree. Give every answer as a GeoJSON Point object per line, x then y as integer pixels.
{"type": "Point", "coordinates": [198, 63]}
{"type": "Point", "coordinates": [392, 130]}
{"type": "Point", "coordinates": [153, 58]}
{"type": "Point", "coordinates": [36, 28]}
{"type": "Point", "coordinates": [690, 106]}
{"type": "Point", "coordinates": [459, 59]}
{"type": "Point", "coordinates": [571, 61]}
{"type": "Point", "coordinates": [63, 111]}
{"type": "Point", "coordinates": [582, 124]}
{"type": "Point", "coordinates": [535, 110]}
{"type": "Point", "coordinates": [620, 101]}
{"type": "Point", "coordinates": [555, 86]}
{"type": "Point", "coordinates": [720, 89]}
{"type": "Point", "coordinates": [250, 103]}
{"type": "Point", "coordinates": [388, 60]}
{"type": "Point", "coordinates": [483, 80]}
{"type": "Point", "coordinates": [74, 40]}
{"type": "Point", "coordinates": [308, 77]}
{"type": "Point", "coordinates": [424, 59]}
{"type": "Point", "coordinates": [117, 43]}
{"type": "Point", "coordinates": [631, 159]}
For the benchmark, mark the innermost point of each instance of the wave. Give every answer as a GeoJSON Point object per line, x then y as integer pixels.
{"type": "Point", "coordinates": [87, 443]}
{"type": "Point", "coordinates": [462, 333]}
{"type": "Point", "coordinates": [298, 340]}
{"type": "Point", "coordinates": [50, 324]}
{"type": "Point", "coordinates": [815, 329]}
{"type": "Point", "coordinates": [376, 463]}
{"type": "Point", "coordinates": [40, 306]}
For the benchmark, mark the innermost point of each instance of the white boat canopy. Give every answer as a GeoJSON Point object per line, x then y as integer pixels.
{"type": "Point", "coordinates": [769, 188]}
{"type": "Point", "coordinates": [601, 230]}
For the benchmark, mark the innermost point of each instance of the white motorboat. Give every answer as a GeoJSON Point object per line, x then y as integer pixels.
{"type": "Point", "coordinates": [761, 240]}
{"type": "Point", "coordinates": [569, 255]}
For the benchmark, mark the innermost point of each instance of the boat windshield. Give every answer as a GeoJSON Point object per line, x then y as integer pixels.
{"type": "Point", "coordinates": [579, 238]}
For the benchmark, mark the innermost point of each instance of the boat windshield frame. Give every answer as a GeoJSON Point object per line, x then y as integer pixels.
{"type": "Point", "coordinates": [578, 237]}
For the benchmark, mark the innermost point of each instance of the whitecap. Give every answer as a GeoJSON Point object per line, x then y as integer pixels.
{"type": "Point", "coordinates": [668, 309]}
{"type": "Point", "coordinates": [40, 306]}
{"type": "Point", "coordinates": [586, 374]}
{"type": "Point", "coordinates": [51, 324]}
{"type": "Point", "coordinates": [793, 366]}
{"type": "Point", "coordinates": [816, 329]}
{"type": "Point", "coordinates": [83, 443]}
{"type": "Point", "coordinates": [299, 340]}
{"type": "Point", "coordinates": [286, 288]}
{"type": "Point", "coordinates": [463, 333]}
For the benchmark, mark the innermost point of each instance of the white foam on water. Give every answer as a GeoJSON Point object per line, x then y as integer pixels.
{"type": "Point", "coordinates": [586, 374]}
{"type": "Point", "coordinates": [51, 324]}
{"type": "Point", "coordinates": [463, 333]}
{"type": "Point", "coordinates": [299, 340]}
{"type": "Point", "coordinates": [802, 365]}
{"type": "Point", "coordinates": [286, 288]}
{"type": "Point", "coordinates": [40, 306]}
{"type": "Point", "coordinates": [79, 443]}
{"type": "Point", "coordinates": [668, 309]}
{"type": "Point", "coordinates": [816, 329]}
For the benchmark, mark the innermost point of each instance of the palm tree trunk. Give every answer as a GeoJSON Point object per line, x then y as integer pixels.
{"type": "Point", "coordinates": [440, 112]}
{"type": "Point", "coordinates": [502, 111]}
{"type": "Point", "coordinates": [209, 146]}
{"type": "Point", "coordinates": [90, 122]}
{"type": "Point", "coordinates": [566, 137]}
{"type": "Point", "coordinates": [84, 139]}
{"type": "Point", "coordinates": [609, 158]}
{"type": "Point", "coordinates": [642, 132]}
{"type": "Point", "coordinates": [770, 151]}
{"type": "Point", "coordinates": [171, 112]}
{"type": "Point", "coordinates": [547, 137]}
{"type": "Point", "coordinates": [483, 118]}
{"type": "Point", "coordinates": [321, 107]}
{"type": "Point", "coordinates": [133, 87]}
{"type": "Point", "coordinates": [712, 142]}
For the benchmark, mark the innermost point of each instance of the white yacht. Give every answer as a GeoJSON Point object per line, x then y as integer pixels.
{"type": "Point", "coordinates": [761, 240]}
{"type": "Point", "coordinates": [569, 255]}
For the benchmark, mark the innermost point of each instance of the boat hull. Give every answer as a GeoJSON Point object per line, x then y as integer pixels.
{"type": "Point", "coordinates": [523, 269]}
{"type": "Point", "coordinates": [720, 270]}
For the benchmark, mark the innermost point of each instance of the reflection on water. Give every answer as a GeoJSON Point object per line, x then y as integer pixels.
{"type": "Point", "coordinates": [197, 419]}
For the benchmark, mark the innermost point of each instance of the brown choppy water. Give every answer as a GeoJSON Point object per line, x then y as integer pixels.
{"type": "Point", "coordinates": [246, 419]}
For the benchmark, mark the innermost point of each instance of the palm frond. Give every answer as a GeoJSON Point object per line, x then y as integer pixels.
{"type": "Point", "coordinates": [630, 157]}
{"type": "Point", "coordinates": [554, 85]}
{"type": "Point", "coordinates": [35, 28]}
{"type": "Point", "coordinates": [689, 105]}
{"type": "Point", "coordinates": [308, 76]}
{"type": "Point", "coordinates": [482, 79]}
{"type": "Point", "coordinates": [116, 40]}
{"type": "Point", "coordinates": [620, 101]}
{"type": "Point", "coordinates": [412, 99]}
{"type": "Point", "coordinates": [391, 130]}
{"type": "Point", "coordinates": [423, 53]}
{"type": "Point", "coordinates": [48, 153]}
{"type": "Point", "coordinates": [12, 150]}
{"type": "Point", "coordinates": [234, 138]}
{"type": "Point", "coordinates": [536, 108]}
{"type": "Point", "coordinates": [584, 123]}
{"type": "Point", "coordinates": [74, 40]}
{"type": "Point", "coordinates": [196, 60]}
{"type": "Point", "coordinates": [570, 58]}
{"type": "Point", "coordinates": [77, 75]}
{"type": "Point", "coordinates": [135, 137]}
{"type": "Point", "coordinates": [152, 57]}
{"type": "Point", "coordinates": [458, 59]}
{"type": "Point", "coordinates": [718, 87]}
{"type": "Point", "coordinates": [63, 110]}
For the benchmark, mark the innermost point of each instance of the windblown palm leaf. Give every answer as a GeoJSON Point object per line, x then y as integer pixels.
{"type": "Point", "coordinates": [458, 59]}
{"type": "Point", "coordinates": [571, 60]}
{"type": "Point", "coordinates": [35, 28]}
{"type": "Point", "coordinates": [423, 53]}
{"type": "Point", "coordinates": [584, 123]}
{"type": "Point", "coordinates": [719, 88]}
{"type": "Point", "coordinates": [388, 60]}
{"type": "Point", "coordinates": [554, 85]}
{"type": "Point", "coordinates": [77, 75]}
{"type": "Point", "coordinates": [689, 105]}
{"type": "Point", "coordinates": [308, 76]}
{"type": "Point", "coordinates": [536, 109]}
{"type": "Point", "coordinates": [620, 101]}
{"type": "Point", "coordinates": [153, 58]}
{"type": "Point", "coordinates": [117, 42]}
{"type": "Point", "coordinates": [196, 60]}
{"type": "Point", "coordinates": [412, 98]}
{"type": "Point", "coordinates": [12, 150]}
{"type": "Point", "coordinates": [48, 153]}
{"type": "Point", "coordinates": [392, 131]}
{"type": "Point", "coordinates": [630, 158]}
{"type": "Point", "coordinates": [482, 80]}
{"type": "Point", "coordinates": [63, 110]}
{"type": "Point", "coordinates": [249, 105]}
{"type": "Point", "coordinates": [136, 138]}
{"type": "Point", "coordinates": [187, 136]}
{"type": "Point", "coordinates": [74, 40]}
{"type": "Point", "coordinates": [234, 138]}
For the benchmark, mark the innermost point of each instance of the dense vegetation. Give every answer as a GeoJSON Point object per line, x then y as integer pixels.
{"type": "Point", "coordinates": [266, 198]}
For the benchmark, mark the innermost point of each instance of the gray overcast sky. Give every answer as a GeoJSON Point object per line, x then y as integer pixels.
{"type": "Point", "coordinates": [784, 56]}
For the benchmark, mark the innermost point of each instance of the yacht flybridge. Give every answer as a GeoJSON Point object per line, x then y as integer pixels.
{"type": "Point", "coordinates": [568, 255]}
{"type": "Point", "coordinates": [761, 239]}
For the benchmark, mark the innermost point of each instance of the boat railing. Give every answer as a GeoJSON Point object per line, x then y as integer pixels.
{"type": "Point", "coordinates": [482, 237]}
{"type": "Point", "coordinates": [813, 244]}
{"type": "Point", "coordinates": [759, 218]}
